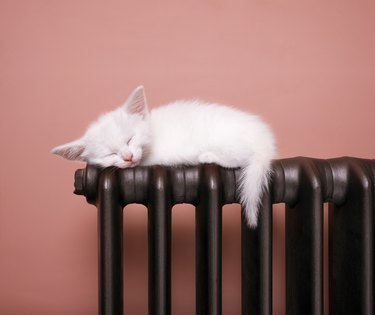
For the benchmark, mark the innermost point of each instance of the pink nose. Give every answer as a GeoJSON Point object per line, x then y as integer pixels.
{"type": "Point", "coordinates": [128, 157]}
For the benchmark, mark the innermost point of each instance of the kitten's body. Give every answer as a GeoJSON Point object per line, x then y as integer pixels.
{"type": "Point", "coordinates": [184, 132]}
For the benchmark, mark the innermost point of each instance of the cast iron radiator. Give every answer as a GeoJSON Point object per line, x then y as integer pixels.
{"type": "Point", "coordinates": [303, 184]}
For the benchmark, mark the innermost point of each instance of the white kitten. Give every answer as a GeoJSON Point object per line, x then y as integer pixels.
{"type": "Point", "coordinates": [184, 132]}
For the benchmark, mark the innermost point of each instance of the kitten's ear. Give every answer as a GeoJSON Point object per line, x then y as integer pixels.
{"type": "Point", "coordinates": [136, 102]}
{"type": "Point", "coordinates": [70, 151]}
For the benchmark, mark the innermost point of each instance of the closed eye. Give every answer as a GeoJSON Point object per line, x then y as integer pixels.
{"type": "Point", "coordinates": [129, 140]}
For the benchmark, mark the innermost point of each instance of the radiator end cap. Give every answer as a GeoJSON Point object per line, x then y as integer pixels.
{"type": "Point", "coordinates": [79, 188]}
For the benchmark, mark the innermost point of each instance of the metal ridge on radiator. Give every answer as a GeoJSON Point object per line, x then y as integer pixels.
{"type": "Point", "coordinates": [332, 175]}
{"type": "Point", "coordinates": [303, 184]}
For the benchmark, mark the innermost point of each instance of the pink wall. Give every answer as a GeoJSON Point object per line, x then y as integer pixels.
{"type": "Point", "coordinates": [307, 67]}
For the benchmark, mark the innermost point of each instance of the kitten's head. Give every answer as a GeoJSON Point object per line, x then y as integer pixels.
{"type": "Point", "coordinates": [119, 138]}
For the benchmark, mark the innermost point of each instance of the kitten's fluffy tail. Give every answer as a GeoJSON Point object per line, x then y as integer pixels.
{"type": "Point", "coordinates": [253, 182]}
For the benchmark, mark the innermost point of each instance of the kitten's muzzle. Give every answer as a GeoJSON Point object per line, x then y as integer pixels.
{"type": "Point", "coordinates": [130, 160]}
{"type": "Point", "coordinates": [128, 157]}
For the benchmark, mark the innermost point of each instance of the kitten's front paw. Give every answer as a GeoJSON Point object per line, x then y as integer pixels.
{"type": "Point", "coordinates": [208, 158]}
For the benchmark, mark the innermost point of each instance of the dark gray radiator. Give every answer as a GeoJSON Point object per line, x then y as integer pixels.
{"type": "Point", "coordinates": [303, 184]}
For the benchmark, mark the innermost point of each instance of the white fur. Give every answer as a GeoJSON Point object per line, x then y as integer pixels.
{"type": "Point", "coordinates": [183, 132]}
